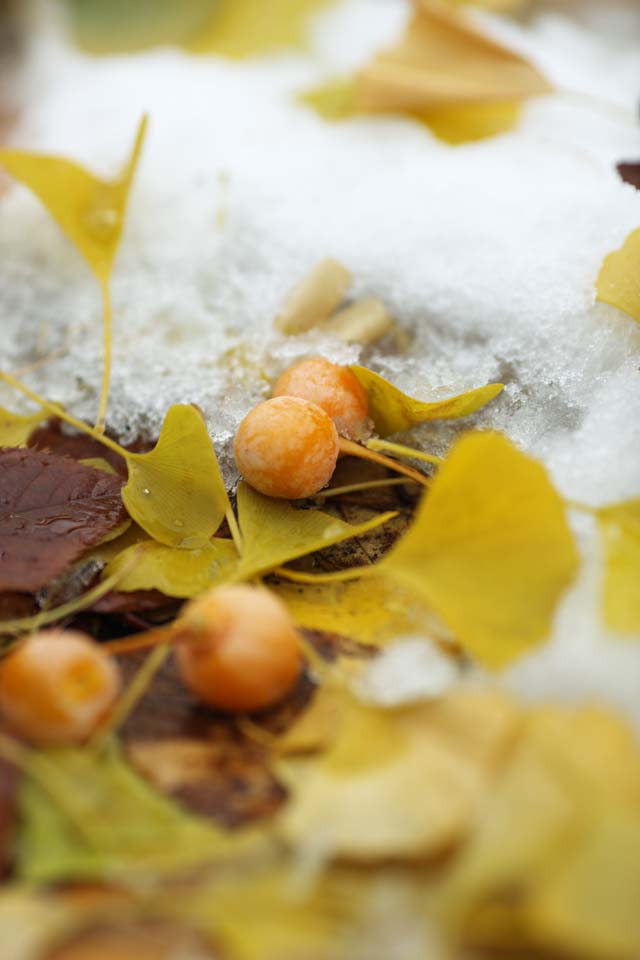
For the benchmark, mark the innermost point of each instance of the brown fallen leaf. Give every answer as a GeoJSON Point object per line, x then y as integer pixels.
{"type": "Point", "coordinates": [51, 437]}
{"type": "Point", "coordinates": [134, 940]}
{"type": "Point", "coordinates": [52, 510]}
{"type": "Point", "coordinates": [9, 785]}
{"type": "Point", "coordinates": [630, 173]}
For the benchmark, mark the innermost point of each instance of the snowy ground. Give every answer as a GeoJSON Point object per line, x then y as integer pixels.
{"type": "Point", "coordinates": [487, 254]}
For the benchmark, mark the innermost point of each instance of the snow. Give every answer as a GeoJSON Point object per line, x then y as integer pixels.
{"type": "Point", "coordinates": [486, 254]}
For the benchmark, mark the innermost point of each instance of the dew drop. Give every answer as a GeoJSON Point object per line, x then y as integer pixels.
{"type": "Point", "coordinates": [147, 492]}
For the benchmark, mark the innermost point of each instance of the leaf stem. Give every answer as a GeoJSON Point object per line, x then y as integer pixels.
{"type": "Point", "coordinates": [232, 523]}
{"type": "Point", "coordinates": [352, 449]}
{"type": "Point", "coordinates": [28, 624]}
{"type": "Point", "coordinates": [144, 641]}
{"type": "Point", "coordinates": [60, 412]}
{"type": "Point", "coordinates": [133, 694]}
{"type": "Point", "coordinates": [582, 507]}
{"type": "Point", "coordinates": [358, 487]}
{"type": "Point", "coordinates": [401, 451]}
{"type": "Point", "coordinates": [336, 576]}
{"type": "Point", "coordinates": [107, 313]}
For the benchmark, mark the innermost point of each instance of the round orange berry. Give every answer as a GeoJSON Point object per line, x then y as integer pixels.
{"type": "Point", "coordinates": [287, 447]}
{"type": "Point", "coordinates": [334, 388]}
{"type": "Point", "coordinates": [57, 687]}
{"type": "Point", "coordinates": [238, 649]}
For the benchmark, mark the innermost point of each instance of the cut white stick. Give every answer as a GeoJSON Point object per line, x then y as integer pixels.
{"type": "Point", "coordinates": [315, 298]}
{"type": "Point", "coordinates": [363, 322]}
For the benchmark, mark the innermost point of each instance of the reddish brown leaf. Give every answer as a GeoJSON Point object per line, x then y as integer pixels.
{"type": "Point", "coordinates": [52, 510]}
{"type": "Point", "coordinates": [9, 782]}
{"type": "Point", "coordinates": [79, 446]}
{"type": "Point", "coordinates": [630, 173]}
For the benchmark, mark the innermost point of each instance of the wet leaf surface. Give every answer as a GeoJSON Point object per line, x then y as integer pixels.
{"type": "Point", "coordinates": [52, 510]}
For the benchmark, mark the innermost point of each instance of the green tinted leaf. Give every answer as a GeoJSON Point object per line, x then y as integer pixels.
{"type": "Point", "coordinates": [102, 821]}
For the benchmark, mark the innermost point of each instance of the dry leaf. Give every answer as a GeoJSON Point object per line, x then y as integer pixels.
{"type": "Point", "coordinates": [392, 411]}
{"type": "Point", "coordinates": [630, 173]}
{"type": "Point", "coordinates": [315, 298]}
{"type": "Point", "coordinates": [404, 783]}
{"type": "Point", "coordinates": [620, 526]}
{"type": "Point", "coordinates": [89, 210]}
{"type": "Point", "coordinates": [489, 550]}
{"type": "Point", "coordinates": [619, 279]}
{"type": "Point", "coordinates": [15, 429]}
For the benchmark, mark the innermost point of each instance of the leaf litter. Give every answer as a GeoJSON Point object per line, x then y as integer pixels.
{"type": "Point", "coordinates": [535, 800]}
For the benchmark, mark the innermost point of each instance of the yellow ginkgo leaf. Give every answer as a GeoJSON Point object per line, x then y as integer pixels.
{"type": "Point", "coordinates": [392, 411]}
{"type": "Point", "coordinates": [445, 72]}
{"type": "Point", "coordinates": [619, 280]}
{"type": "Point", "coordinates": [176, 492]}
{"type": "Point", "coordinates": [569, 774]}
{"type": "Point", "coordinates": [173, 571]}
{"type": "Point", "coordinates": [445, 60]}
{"type": "Point", "coordinates": [15, 429]}
{"type": "Point", "coordinates": [250, 28]}
{"type": "Point", "coordinates": [274, 532]}
{"type": "Point", "coordinates": [620, 526]}
{"type": "Point", "coordinates": [89, 210]}
{"type": "Point", "coordinates": [464, 124]}
{"type": "Point", "coordinates": [372, 611]}
{"type": "Point", "coordinates": [490, 550]}
{"type": "Point", "coordinates": [403, 783]}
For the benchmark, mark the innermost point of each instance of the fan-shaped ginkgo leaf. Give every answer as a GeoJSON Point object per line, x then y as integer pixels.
{"type": "Point", "coordinates": [489, 550]}
{"type": "Point", "coordinates": [620, 526]}
{"type": "Point", "coordinates": [619, 280]}
{"type": "Point", "coordinates": [176, 492]}
{"type": "Point", "coordinates": [89, 210]}
{"type": "Point", "coordinates": [175, 572]}
{"type": "Point", "coordinates": [16, 429]}
{"type": "Point", "coordinates": [274, 532]}
{"type": "Point", "coordinates": [393, 411]}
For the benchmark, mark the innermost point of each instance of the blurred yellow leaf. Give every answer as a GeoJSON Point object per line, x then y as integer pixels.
{"type": "Point", "coordinates": [464, 124]}
{"type": "Point", "coordinates": [489, 550]}
{"type": "Point", "coordinates": [274, 532]}
{"type": "Point", "coordinates": [15, 429]}
{"type": "Point", "coordinates": [445, 72]}
{"type": "Point", "coordinates": [620, 526]}
{"type": "Point", "coordinates": [248, 28]}
{"type": "Point", "coordinates": [176, 492]}
{"type": "Point", "coordinates": [392, 411]}
{"type": "Point", "coordinates": [86, 814]}
{"type": "Point", "coordinates": [372, 611]}
{"type": "Point", "coordinates": [574, 775]}
{"type": "Point", "coordinates": [404, 783]}
{"type": "Point", "coordinates": [445, 60]}
{"type": "Point", "coordinates": [89, 210]}
{"type": "Point", "coordinates": [619, 280]}
{"type": "Point", "coordinates": [174, 571]}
